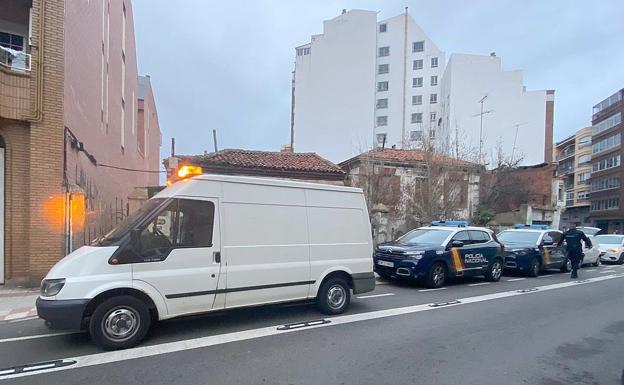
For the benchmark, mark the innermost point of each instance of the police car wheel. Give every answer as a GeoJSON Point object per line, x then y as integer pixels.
{"type": "Point", "coordinates": [567, 266]}
{"type": "Point", "coordinates": [536, 266]}
{"type": "Point", "coordinates": [495, 271]}
{"type": "Point", "coordinates": [119, 323]}
{"type": "Point", "coordinates": [597, 263]}
{"type": "Point", "coordinates": [334, 296]}
{"type": "Point", "coordinates": [437, 276]}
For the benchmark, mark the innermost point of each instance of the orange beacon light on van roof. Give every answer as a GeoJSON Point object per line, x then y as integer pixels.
{"type": "Point", "coordinates": [186, 171]}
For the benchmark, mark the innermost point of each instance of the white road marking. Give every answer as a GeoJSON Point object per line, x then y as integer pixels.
{"type": "Point", "coordinates": [591, 270]}
{"type": "Point", "coordinates": [607, 271]}
{"type": "Point", "coordinates": [426, 290]}
{"type": "Point", "coordinates": [381, 283]}
{"type": "Point", "coordinates": [374, 295]}
{"type": "Point", "coordinates": [203, 342]}
{"type": "Point", "coordinates": [515, 279]}
{"type": "Point", "coordinates": [36, 336]}
{"type": "Point", "coordinates": [479, 284]}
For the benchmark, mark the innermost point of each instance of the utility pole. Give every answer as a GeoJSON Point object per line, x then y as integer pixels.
{"type": "Point", "coordinates": [214, 138]}
{"type": "Point", "coordinates": [481, 127]}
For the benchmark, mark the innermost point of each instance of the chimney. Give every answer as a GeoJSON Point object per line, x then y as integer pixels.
{"type": "Point", "coordinates": [493, 54]}
{"type": "Point", "coordinates": [344, 11]}
{"type": "Point", "coordinates": [286, 148]}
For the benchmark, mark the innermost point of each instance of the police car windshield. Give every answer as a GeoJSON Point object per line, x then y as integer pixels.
{"type": "Point", "coordinates": [518, 236]}
{"type": "Point", "coordinates": [610, 239]}
{"type": "Point", "coordinates": [426, 236]}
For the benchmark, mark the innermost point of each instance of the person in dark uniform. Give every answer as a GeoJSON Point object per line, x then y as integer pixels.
{"type": "Point", "coordinates": [573, 238]}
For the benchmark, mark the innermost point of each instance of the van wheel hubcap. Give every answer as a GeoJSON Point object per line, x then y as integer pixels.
{"type": "Point", "coordinates": [121, 323]}
{"type": "Point", "coordinates": [336, 296]}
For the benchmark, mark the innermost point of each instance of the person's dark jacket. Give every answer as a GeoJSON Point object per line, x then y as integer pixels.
{"type": "Point", "coordinates": [573, 238]}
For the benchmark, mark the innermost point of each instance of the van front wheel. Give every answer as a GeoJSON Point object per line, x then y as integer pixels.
{"type": "Point", "coordinates": [119, 322]}
{"type": "Point", "coordinates": [334, 296]}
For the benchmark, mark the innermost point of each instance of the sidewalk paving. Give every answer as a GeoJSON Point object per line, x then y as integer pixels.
{"type": "Point", "coordinates": [17, 303]}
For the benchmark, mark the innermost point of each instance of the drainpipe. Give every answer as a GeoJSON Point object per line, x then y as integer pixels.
{"type": "Point", "coordinates": [37, 115]}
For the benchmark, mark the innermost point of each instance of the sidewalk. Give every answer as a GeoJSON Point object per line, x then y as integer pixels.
{"type": "Point", "coordinates": [17, 303]}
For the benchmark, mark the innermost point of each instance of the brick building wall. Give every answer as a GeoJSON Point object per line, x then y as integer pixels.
{"type": "Point", "coordinates": [69, 127]}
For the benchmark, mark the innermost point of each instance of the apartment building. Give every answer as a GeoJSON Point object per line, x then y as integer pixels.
{"type": "Point", "coordinates": [70, 135]}
{"type": "Point", "coordinates": [573, 156]}
{"type": "Point", "coordinates": [364, 83]}
{"type": "Point", "coordinates": [486, 110]}
{"type": "Point", "coordinates": [606, 196]}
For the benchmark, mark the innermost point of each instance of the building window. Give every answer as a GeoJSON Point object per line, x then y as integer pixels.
{"type": "Point", "coordinates": [434, 80]}
{"type": "Point", "coordinates": [607, 143]}
{"type": "Point", "coordinates": [416, 100]}
{"type": "Point", "coordinates": [383, 27]}
{"type": "Point", "coordinates": [11, 41]}
{"type": "Point", "coordinates": [382, 86]}
{"type": "Point", "coordinates": [606, 163]}
{"type": "Point", "coordinates": [582, 195]}
{"type": "Point", "coordinates": [432, 117]}
{"type": "Point", "coordinates": [416, 135]}
{"type": "Point", "coordinates": [383, 68]}
{"type": "Point", "coordinates": [605, 184]}
{"type": "Point", "coordinates": [381, 138]}
{"type": "Point", "coordinates": [382, 103]}
{"type": "Point", "coordinates": [605, 204]}
{"type": "Point", "coordinates": [433, 98]}
{"type": "Point", "coordinates": [570, 195]}
{"type": "Point", "coordinates": [303, 51]}
{"type": "Point", "coordinates": [382, 121]}
{"type": "Point", "coordinates": [583, 177]}
{"type": "Point", "coordinates": [384, 51]}
{"type": "Point", "coordinates": [584, 159]}
{"type": "Point", "coordinates": [434, 62]}
{"type": "Point", "coordinates": [417, 82]}
{"type": "Point", "coordinates": [432, 134]}
{"type": "Point", "coordinates": [584, 142]}
{"type": "Point", "coordinates": [608, 123]}
{"type": "Point", "coordinates": [417, 117]}
{"type": "Point", "coordinates": [418, 46]}
{"type": "Point", "coordinates": [418, 64]}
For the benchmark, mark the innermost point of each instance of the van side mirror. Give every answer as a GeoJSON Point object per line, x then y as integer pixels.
{"type": "Point", "coordinates": [135, 239]}
{"type": "Point", "coordinates": [457, 244]}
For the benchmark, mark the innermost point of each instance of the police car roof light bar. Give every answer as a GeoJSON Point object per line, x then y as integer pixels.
{"type": "Point", "coordinates": [450, 223]}
{"type": "Point", "coordinates": [533, 227]}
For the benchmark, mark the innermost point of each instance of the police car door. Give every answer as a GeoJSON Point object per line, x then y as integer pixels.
{"type": "Point", "coordinates": [554, 256]}
{"type": "Point", "coordinates": [458, 253]}
{"type": "Point", "coordinates": [484, 250]}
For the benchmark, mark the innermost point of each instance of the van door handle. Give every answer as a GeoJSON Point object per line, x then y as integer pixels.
{"type": "Point", "coordinates": [217, 256]}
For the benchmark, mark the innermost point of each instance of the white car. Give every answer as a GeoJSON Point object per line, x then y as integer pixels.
{"type": "Point", "coordinates": [211, 243]}
{"type": "Point", "coordinates": [611, 248]}
{"type": "Point", "coordinates": [591, 256]}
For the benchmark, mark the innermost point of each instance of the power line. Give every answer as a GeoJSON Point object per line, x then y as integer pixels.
{"type": "Point", "coordinates": [128, 169]}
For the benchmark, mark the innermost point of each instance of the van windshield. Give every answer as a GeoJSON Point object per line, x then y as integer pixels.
{"type": "Point", "coordinates": [127, 224]}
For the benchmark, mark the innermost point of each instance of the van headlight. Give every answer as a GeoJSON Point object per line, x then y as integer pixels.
{"type": "Point", "coordinates": [51, 287]}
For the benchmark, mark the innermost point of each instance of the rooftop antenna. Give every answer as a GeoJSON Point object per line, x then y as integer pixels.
{"type": "Point", "coordinates": [481, 127]}
{"type": "Point", "coordinates": [513, 149]}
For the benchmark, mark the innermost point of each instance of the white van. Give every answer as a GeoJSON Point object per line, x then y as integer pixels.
{"type": "Point", "coordinates": [211, 243]}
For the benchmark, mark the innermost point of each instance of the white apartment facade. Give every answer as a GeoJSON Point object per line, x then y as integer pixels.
{"type": "Point", "coordinates": [363, 84]}
{"type": "Point", "coordinates": [515, 121]}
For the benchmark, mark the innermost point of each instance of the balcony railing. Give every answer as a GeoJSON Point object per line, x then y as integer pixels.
{"type": "Point", "coordinates": [14, 60]}
{"type": "Point", "coordinates": [565, 170]}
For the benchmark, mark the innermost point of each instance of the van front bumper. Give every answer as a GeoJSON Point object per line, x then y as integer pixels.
{"type": "Point", "coordinates": [62, 314]}
{"type": "Point", "coordinates": [363, 282]}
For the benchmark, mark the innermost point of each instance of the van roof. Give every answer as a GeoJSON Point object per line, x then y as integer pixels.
{"type": "Point", "coordinates": [257, 181]}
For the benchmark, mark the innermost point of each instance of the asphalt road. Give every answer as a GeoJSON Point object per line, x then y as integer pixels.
{"type": "Point", "coordinates": [566, 332]}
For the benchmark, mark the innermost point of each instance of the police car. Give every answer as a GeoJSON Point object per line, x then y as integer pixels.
{"type": "Point", "coordinates": [441, 251]}
{"type": "Point", "coordinates": [532, 249]}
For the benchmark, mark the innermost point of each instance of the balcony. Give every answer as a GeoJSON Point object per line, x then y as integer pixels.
{"type": "Point", "coordinates": [565, 170]}
{"type": "Point", "coordinates": [568, 152]}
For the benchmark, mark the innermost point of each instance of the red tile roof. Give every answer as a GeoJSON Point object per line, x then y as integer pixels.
{"type": "Point", "coordinates": [247, 159]}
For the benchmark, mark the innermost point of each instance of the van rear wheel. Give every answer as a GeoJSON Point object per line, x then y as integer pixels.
{"type": "Point", "coordinates": [119, 322]}
{"type": "Point", "coordinates": [334, 296]}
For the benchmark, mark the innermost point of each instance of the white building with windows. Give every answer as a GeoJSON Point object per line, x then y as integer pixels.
{"type": "Point", "coordinates": [364, 83]}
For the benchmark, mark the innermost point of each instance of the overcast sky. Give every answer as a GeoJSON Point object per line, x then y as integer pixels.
{"type": "Point", "coordinates": [227, 64]}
